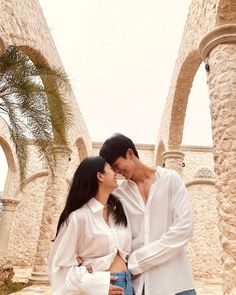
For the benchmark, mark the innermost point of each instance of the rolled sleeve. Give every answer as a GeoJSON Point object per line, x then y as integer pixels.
{"type": "Point", "coordinates": [78, 279]}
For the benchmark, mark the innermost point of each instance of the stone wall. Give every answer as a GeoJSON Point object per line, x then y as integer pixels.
{"type": "Point", "coordinates": [204, 247]}
{"type": "Point", "coordinates": [196, 159]}
{"type": "Point", "coordinates": [25, 226]}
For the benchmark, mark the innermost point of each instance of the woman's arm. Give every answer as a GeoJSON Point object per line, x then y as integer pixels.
{"type": "Point", "coordinates": [64, 273]}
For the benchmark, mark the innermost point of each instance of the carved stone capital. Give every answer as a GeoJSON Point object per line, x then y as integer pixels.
{"type": "Point", "coordinates": [173, 154]}
{"type": "Point", "coordinates": [9, 204]}
{"type": "Point", "coordinates": [222, 34]}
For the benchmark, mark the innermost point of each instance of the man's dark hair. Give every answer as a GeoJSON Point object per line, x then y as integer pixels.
{"type": "Point", "coordinates": [116, 146]}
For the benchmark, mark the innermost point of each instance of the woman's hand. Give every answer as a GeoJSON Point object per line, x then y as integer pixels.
{"type": "Point", "coordinates": [80, 262]}
{"type": "Point", "coordinates": [115, 290]}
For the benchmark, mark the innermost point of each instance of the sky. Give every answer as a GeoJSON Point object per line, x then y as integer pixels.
{"type": "Point", "coordinates": [120, 57]}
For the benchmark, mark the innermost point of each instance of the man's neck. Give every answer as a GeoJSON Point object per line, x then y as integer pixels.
{"type": "Point", "coordinates": [143, 173]}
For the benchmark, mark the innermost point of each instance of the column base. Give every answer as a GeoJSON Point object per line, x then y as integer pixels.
{"type": "Point", "coordinates": [39, 278]}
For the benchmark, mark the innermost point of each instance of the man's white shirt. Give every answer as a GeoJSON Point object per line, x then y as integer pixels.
{"type": "Point", "coordinates": [160, 230]}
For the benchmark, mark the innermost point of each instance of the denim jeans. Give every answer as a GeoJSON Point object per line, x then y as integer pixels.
{"type": "Point", "coordinates": [124, 281]}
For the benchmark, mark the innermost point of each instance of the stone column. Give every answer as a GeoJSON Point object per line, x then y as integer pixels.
{"type": "Point", "coordinates": [173, 159]}
{"type": "Point", "coordinates": [218, 50]}
{"type": "Point", "coordinates": [9, 206]}
{"type": "Point", "coordinates": [55, 196]}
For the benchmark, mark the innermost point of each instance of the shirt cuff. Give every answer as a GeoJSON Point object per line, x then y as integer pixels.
{"type": "Point", "coordinates": [133, 265]}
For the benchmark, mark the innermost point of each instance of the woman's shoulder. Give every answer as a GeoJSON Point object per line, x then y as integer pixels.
{"type": "Point", "coordinates": [80, 213]}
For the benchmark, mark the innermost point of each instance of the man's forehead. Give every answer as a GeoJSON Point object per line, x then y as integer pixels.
{"type": "Point", "coordinates": [116, 163]}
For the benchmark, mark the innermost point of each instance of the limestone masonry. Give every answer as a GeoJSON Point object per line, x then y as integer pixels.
{"type": "Point", "coordinates": [29, 217]}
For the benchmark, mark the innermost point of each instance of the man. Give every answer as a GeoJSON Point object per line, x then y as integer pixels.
{"type": "Point", "coordinates": [160, 216]}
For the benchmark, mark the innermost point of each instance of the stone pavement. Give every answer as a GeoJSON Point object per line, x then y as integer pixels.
{"type": "Point", "coordinates": [203, 287]}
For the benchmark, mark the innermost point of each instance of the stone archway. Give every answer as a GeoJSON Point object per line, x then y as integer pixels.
{"type": "Point", "coordinates": [215, 31]}
{"type": "Point", "coordinates": [172, 124]}
{"type": "Point", "coordinates": [33, 38]}
{"type": "Point", "coordinates": [8, 153]}
{"type": "Point", "coordinates": [180, 98]}
{"type": "Point", "coordinates": [81, 147]}
{"type": "Point", "coordinates": [8, 149]}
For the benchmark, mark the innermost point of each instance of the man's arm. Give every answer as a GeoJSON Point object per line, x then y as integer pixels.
{"type": "Point", "coordinates": [171, 242]}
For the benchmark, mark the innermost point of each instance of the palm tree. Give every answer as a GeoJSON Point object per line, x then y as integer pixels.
{"type": "Point", "coordinates": [33, 109]}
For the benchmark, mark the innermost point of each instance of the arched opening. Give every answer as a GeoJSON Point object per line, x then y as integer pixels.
{"type": "Point", "coordinates": [197, 124]}
{"type": "Point", "coordinates": [182, 90]}
{"type": "Point", "coordinates": [8, 167]}
{"type": "Point", "coordinates": [4, 170]}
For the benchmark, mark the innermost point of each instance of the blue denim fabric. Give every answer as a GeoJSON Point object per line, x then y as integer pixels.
{"type": "Point", "coordinates": [189, 292]}
{"type": "Point", "coordinates": [124, 281]}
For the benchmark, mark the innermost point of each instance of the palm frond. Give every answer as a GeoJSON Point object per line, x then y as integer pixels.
{"type": "Point", "coordinates": [33, 107]}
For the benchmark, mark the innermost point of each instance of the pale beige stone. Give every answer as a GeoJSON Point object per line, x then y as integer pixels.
{"type": "Point", "coordinates": [210, 23]}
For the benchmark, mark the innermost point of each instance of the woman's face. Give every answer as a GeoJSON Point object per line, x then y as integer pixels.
{"type": "Point", "coordinates": [109, 177]}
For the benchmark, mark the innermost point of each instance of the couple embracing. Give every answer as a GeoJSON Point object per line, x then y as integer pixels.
{"type": "Point", "coordinates": [127, 239]}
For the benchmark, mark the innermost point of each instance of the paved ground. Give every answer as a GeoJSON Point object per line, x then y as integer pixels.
{"type": "Point", "coordinates": [203, 287]}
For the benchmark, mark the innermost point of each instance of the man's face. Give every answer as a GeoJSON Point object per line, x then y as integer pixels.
{"type": "Point", "coordinates": [124, 166]}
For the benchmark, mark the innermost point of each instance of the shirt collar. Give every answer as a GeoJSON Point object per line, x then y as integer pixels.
{"type": "Point", "coordinates": [94, 205]}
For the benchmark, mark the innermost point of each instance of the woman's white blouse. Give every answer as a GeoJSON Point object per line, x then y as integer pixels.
{"type": "Point", "coordinates": [87, 235]}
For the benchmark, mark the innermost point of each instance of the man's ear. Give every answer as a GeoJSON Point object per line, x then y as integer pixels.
{"type": "Point", "coordinates": [100, 176]}
{"type": "Point", "coordinates": [129, 154]}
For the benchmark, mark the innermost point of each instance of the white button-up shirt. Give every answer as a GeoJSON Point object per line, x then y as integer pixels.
{"type": "Point", "coordinates": [160, 229]}
{"type": "Point", "coordinates": [87, 235]}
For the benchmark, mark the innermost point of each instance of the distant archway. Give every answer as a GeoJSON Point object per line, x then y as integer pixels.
{"type": "Point", "coordinates": [81, 147]}
{"type": "Point", "coordinates": [8, 153]}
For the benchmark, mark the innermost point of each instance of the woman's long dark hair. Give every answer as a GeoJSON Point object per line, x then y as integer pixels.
{"type": "Point", "coordinates": [84, 187]}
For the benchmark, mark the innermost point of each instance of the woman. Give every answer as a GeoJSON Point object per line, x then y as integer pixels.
{"type": "Point", "coordinates": [94, 227]}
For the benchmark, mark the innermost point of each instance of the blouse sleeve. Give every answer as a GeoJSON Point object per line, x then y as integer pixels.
{"type": "Point", "coordinates": [65, 275]}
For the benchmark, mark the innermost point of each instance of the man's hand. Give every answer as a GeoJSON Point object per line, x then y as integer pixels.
{"type": "Point", "coordinates": [115, 290]}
